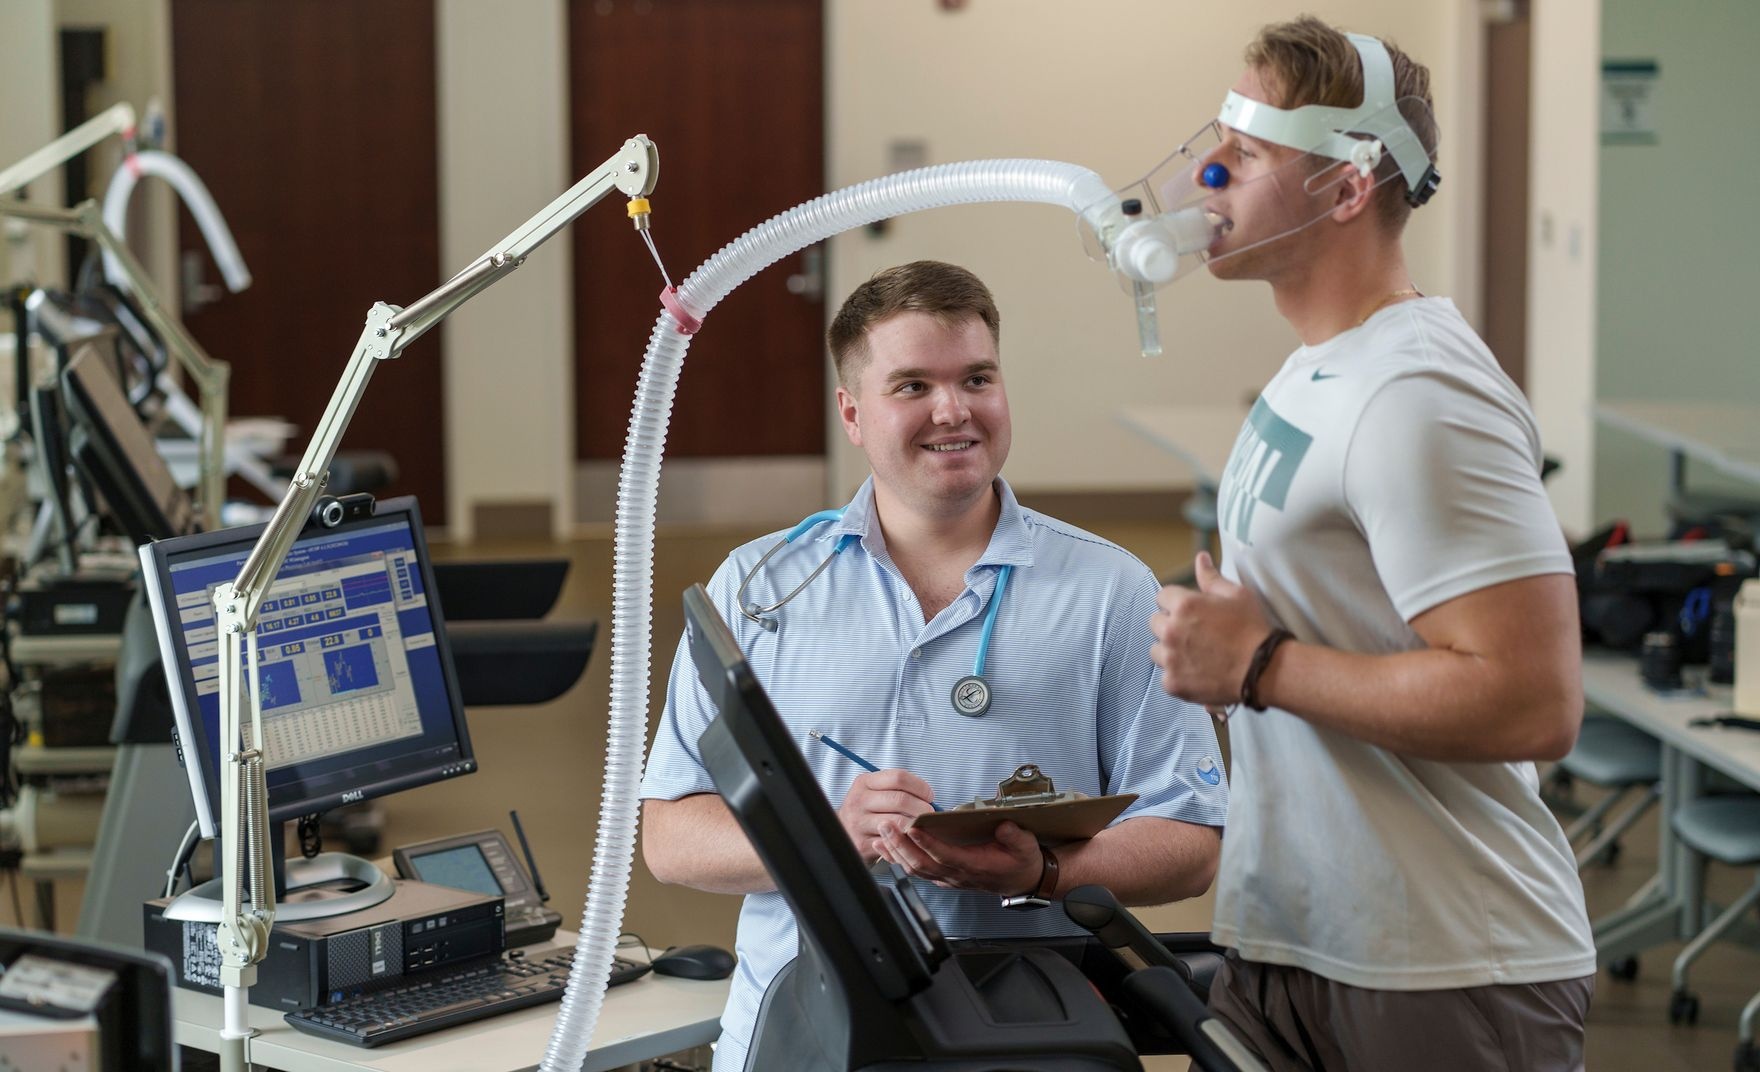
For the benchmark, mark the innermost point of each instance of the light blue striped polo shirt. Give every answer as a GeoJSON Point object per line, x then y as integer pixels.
{"type": "Point", "coordinates": [1073, 691]}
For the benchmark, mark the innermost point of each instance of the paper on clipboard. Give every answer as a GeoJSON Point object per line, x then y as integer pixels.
{"type": "Point", "coordinates": [1030, 801]}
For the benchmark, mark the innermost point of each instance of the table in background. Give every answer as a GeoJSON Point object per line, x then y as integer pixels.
{"type": "Point", "coordinates": [647, 1018]}
{"type": "Point", "coordinates": [1724, 435]}
{"type": "Point", "coordinates": [1670, 907]}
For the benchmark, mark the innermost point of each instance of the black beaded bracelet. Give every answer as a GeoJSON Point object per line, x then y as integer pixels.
{"type": "Point", "coordinates": [1255, 669]}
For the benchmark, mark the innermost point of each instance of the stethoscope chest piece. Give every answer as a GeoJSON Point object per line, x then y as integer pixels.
{"type": "Point", "coordinates": [971, 696]}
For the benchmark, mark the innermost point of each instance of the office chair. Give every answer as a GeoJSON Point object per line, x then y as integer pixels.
{"type": "Point", "coordinates": [1727, 830]}
{"type": "Point", "coordinates": [1617, 757]}
{"type": "Point", "coordinates": [1747, 1053]}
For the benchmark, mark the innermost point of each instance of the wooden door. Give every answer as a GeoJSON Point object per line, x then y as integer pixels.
{"type": "Point", "coordinates": [731, 92]}
{"type": "Point", "coordinates": [314, 126]}
{"type": "Point", "coordinates": [1505, 290]}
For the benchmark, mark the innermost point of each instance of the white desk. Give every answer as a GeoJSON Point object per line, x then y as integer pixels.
{"type": "Point", "coordinates": [1669, 909]}
{"type": "Point", "coordinates": [1611, 682]}
{"type": "Point", "coordinates": [1724, 435]}
{"type": "Point", "coordinates": [652, 1016]}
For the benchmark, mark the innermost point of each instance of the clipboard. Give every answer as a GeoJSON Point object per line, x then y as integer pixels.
{"type": "Point", "coordinates": [1028, 799]}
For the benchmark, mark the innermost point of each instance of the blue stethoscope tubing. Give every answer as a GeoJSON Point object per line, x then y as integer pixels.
{"type": "Point", "coordinates": [971, 695]}
{"type": "Point", "coordinates": [762, 615]}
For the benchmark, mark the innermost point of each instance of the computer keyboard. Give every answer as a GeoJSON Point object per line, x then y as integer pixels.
{"type": "Point", "coordinates": [449, 996]}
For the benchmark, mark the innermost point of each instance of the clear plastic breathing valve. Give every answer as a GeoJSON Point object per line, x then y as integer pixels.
{"type": "Point", "coordinates": [1148, 323]}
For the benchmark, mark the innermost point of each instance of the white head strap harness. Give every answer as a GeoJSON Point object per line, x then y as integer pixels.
{"type": "Point", "coordinates": [1316, 128]}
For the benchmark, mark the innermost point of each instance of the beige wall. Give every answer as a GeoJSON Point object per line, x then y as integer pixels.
{"type": "Point", "coordinates": [138, 71]}
{"type": "Point", "coordinates": [1676, 288]}
{"type": "Point", "coordinates": [1563, 190]}
{"type": "Point", "coordinates": [1112, 86]}
{"type": "Point", "coordinates": [504, 154]}
{"type": "Point", "coordinates": [29, 119]}
{"type": "Point", "coordinates": [1639, 270]}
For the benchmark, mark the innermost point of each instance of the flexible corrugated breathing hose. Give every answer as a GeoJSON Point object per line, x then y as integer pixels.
{"type": "Point", "coordinates": [1042, 181]}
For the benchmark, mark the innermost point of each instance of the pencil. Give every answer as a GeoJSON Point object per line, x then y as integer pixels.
{"type": "Point", "coordinates": [851, 756]}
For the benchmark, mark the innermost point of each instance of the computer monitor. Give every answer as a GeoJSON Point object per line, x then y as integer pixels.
{"type": "Point", "coordinates": [115, 451]}
{"type": "Point", "coordinates": [358, 691]}
{"type": "Point", "coordinates": [882, 948]}
{"type": "Point", "coordinates": [49, 437]}
{"type": "Point", "coordinates": [62, 998]}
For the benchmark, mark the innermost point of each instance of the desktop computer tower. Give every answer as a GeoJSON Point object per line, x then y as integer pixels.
{"type": "Point", "coordinates": [321, 961]}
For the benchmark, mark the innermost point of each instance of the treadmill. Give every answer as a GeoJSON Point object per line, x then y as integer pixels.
{"type": "Point", "coordinates": [877, 987]}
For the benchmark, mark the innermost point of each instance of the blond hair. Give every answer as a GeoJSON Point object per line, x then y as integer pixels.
{"type": "Point", "coordinates": [1305, 61]}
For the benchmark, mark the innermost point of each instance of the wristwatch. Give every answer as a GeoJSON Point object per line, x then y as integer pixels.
{"type": "Point", "coordinates": [1040, 897]}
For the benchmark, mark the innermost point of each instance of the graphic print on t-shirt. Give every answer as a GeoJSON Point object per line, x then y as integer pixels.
{"type": "Point", "coordinates": [1261, 469]}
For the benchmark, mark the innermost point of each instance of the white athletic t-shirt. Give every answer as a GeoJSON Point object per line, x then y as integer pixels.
{"type": "Point", "coordinates": [1383, 472]}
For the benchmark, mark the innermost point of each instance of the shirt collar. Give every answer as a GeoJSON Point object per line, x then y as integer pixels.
{"type": "Point", "coordinates": [1011, 544]}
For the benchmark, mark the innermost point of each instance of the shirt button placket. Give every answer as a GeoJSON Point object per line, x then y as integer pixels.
{"type": "Point", "coordinates": [909, 710]}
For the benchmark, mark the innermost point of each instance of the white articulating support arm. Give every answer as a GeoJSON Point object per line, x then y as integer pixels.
{"type": "Point", "coordinates": [244, 817]}
{"type": "Point", "coordinates": [116, 119]}
{"type": "Point", "coordinates": [86, 220]}
{"type": "Point", "coordinates": [210, 376]}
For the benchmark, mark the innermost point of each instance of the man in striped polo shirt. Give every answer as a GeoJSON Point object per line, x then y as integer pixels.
{"type": "Point", "coordinates": [871, 651]}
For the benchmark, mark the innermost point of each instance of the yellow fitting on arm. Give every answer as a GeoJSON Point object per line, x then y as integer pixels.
{"type": "Point", "coordinates": [638, 212]}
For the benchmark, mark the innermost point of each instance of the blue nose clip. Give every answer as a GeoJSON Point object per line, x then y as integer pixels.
{"type": "Point", "coordinates": [1215, 176]}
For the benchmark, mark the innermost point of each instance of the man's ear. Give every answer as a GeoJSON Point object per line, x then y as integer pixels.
{"type": "Point", "coordinates": [847, 412]}
{"type": "Point", "coordinates": [1356, 192]}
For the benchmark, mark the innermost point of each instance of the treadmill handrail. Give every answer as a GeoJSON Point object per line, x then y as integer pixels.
{"type": "Point", "coordinates": [1212, 1046]}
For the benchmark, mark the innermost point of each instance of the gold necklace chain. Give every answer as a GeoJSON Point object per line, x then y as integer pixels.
{"type": "Point", "coordinates": [1408, 292]}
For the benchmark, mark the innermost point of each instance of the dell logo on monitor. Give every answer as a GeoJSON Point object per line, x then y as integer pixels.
{"type": "Point", "coordinates": [351, 796]}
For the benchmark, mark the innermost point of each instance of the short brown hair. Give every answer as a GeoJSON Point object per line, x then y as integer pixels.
{"type": "Point", "coordinates": [1305, 61]}
{"type": "Point", "coordinates": [946, 292]}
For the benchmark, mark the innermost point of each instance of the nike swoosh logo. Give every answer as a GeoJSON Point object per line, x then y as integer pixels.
{"type": "Point", "coordinates": [1318, 375]}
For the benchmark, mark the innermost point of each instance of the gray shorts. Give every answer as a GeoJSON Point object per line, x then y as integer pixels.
{"type": "Point", "coordinates": [1296, 1020]}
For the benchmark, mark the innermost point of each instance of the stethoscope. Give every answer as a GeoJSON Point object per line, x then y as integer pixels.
{"type": "Point", "coordinates": [971, 694]}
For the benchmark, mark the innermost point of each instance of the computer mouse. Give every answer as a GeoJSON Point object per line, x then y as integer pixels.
{"type": "Point", "coordinates": [695, 962]}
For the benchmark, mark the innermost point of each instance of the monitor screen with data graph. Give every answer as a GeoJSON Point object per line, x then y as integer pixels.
{"type": "Point", "coordinates": [354, 675]}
